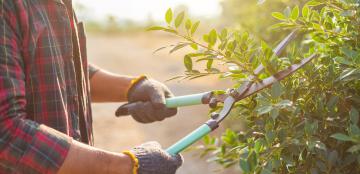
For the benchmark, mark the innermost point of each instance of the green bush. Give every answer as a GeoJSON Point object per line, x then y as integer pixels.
{"type": "Point", "coordinates": [307, 123]}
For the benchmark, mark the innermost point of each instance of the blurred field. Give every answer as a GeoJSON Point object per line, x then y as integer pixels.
{"type": "Point", "coordinates": [131, 54]}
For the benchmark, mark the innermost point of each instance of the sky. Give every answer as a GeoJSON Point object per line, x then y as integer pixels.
{"type": "Point", "coordinates": [140, 10]}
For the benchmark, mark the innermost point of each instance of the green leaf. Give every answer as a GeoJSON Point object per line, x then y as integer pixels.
{"type": "Point", "coordinates": [179, 19]}
{"type": "Point", "coordinates": [317, 26]}
{"type": "Point", "coordinates": [270, 137]}
{"type": "Point", "coordinates": [206, 139]}
{"type": "Point", "coordinates": [284, 103]}
{"type": "Point", "coordinates": [354, 130]}
{"type": "Point", "coordinates": [170, 30]}
{"type": "Point", "coordinates": [278, 15]}
{"type": "Point", "coordinates": [274, 113]}
{"type": "Point", "coordinates": [253, 160]}
{"type": "Point", "coordinates": [311, 127]}
{"type": "Point", "coordinates": [313, 3]}
{"type": "Point", "coordinates": [268, 52]}
{"type": "Point", "coordinates": [354, 116]}
{"type": "Point", "coordinates": [224, 34]}
{"type": "Point", "coordinates": [354, 148]}
{"type": "Point", "coordinates": [194, 46]}
{"type": "Point", "coordinates": [212, 37]}
{"type": "Point", "coordinates": [349, 53]}
{"type": "Point", "coordinates": [209, 64]}
{"type": "Point", "coordinates": [341, 137]}
{"type": "Point", "coordinates": [169, 16]}
{"type": "Point", "coordinates": [287, 12]}
{"type": "Point", "coordinates": [348, 13]}
{"type": "Point", "coordinates": [268, 168]}
{"type": "Point", "coordinates": [276, 90]}
{"type": "Point", "coordinates": [347, 73]}
{"type": "Point", "coordinates": [305, 11]}
{"type": "Point", "coordinates": [194, 27]}
{"type": "Point", "coordinates": [342, 60]}
{"type": "Point", "coordinates": [295, 13]}
{"type": "Point", "coordinates": [310, 145]}
{"type": "Point", "coordinates": [258, 145]}
{"type": "Point", "coordinates": [230, 137]}
{"type": "Point", "coordinates": [154, 28]}
{"type": "Point", "coordinates": [179, 46]}
{"type": "Point", "coordinates": [244, 165]}
{"type": "Point", "coordinates": [278, 25]}
{"type": "Point", "coordinates": [188, 24]}
{"type": "Point", "coordinates": [188, 62]}
{"type": "Point", "coordinates": [206, 38]}
{"type": "Point", "coordinates": [264, 109]}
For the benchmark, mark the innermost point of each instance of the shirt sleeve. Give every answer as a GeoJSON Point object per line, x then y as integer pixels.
{"type": "Point", "coordinates": [25, 146]}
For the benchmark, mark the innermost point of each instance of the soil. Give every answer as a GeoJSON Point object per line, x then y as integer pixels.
{"type": "Point", "coordinates": [132, 54]}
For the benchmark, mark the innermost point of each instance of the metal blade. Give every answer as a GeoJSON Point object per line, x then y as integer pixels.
{"type": "Point", "coordinates": [246, 85]}
{"type": "Point", "coordinates": [255, 87]}
{"type": "Point", "coordinates": [277, 51]}
{"type": "Point", "coordinates": [230, 100]}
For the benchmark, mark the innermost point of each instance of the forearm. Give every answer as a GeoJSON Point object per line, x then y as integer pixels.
{"type": "Point", "coordinates": [109, 87]}
{"type": "Point", "coordinates": [84, 159]}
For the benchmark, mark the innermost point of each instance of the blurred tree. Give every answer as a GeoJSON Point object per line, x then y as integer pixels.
{"type": "Point", "coordinates": [112, 24]}
{"type": "Point", "coordinates": [254, 16]}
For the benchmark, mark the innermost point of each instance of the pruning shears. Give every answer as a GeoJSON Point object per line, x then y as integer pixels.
{"type": "Point", "coordinates": [228, 99]}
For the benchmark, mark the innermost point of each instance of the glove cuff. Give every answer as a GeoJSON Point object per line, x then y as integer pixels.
{"type": "Point", "coordinates": [145, 160]}
{"type": "Point", "coordinates": [133, 83]}
{"type": "Point", "coordinates": [134, 160]}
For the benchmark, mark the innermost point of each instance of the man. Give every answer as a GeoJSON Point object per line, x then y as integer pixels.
{"type": "Point", "coordinates": [45, 86]}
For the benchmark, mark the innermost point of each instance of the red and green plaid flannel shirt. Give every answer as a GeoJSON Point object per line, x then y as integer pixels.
{"type": "Point", "coordinates": [44, 86]}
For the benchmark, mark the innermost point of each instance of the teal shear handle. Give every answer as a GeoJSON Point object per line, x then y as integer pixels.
{"type": "Point", "coordinates": [192, 137]}
{"type": "Point", "coordinates": [187, 100]}
{"type": "Point", "coordinates": [179, 101]}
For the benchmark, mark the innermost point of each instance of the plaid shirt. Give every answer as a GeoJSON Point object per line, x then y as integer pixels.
{"type": "Point", "coordinates": [44, 86]}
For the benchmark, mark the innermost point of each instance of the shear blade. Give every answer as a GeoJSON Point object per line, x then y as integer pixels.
{"type": "Point", "coordinates": [256, 87]}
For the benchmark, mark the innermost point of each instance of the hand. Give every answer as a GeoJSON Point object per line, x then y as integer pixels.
{"type": "Point", "coordinates": [153, 160]}
{"type": "Point", "coordinates": [149, 96]}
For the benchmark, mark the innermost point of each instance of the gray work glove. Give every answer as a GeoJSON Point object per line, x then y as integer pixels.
{"type": "Point", "coordinates": [153, 160]}
{"type": "Point", "coordinates": [149, 98]}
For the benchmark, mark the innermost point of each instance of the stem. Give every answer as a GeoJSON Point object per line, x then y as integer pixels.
{"type": "Point", "coordinates": [206, 47]}
{"type": "Point", "coordinates": [201, 45]}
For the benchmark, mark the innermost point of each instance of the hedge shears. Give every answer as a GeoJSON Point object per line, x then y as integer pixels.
{"type": "Point", "coordinates": [249, 87]}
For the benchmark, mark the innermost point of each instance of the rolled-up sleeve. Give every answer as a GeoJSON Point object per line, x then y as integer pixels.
{"type": "Point", "coordinates": [25, 146]}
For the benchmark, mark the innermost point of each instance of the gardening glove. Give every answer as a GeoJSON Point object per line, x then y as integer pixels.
{"type": "Point", "coordinates": [149, 158]}
{"type": "Point", "coordinates": [147, 100]}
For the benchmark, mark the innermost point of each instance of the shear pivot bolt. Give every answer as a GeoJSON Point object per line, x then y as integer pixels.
{"type": "Point", "coordinates": [213, 103]}
{"type": "Point", "coordinates": [233, 93]}
{"type": "Point", "coordinates": [214, 115]}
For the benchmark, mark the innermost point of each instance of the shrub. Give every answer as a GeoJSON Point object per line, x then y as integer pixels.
{"type": "Point", "coordinates": [307, 123]}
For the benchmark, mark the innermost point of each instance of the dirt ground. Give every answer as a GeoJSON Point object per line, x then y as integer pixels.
{"type": "Point", "coordinates": [131, 54]}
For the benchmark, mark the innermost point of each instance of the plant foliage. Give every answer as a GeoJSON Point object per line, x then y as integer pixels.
{"type": "Point", "coordinates": [308, 123]}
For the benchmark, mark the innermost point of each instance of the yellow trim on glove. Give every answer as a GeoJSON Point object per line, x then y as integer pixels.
{"type": "Point", "coordinates": [134, 159]}
{"type": "Point", "coordinates": [133, 83]}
